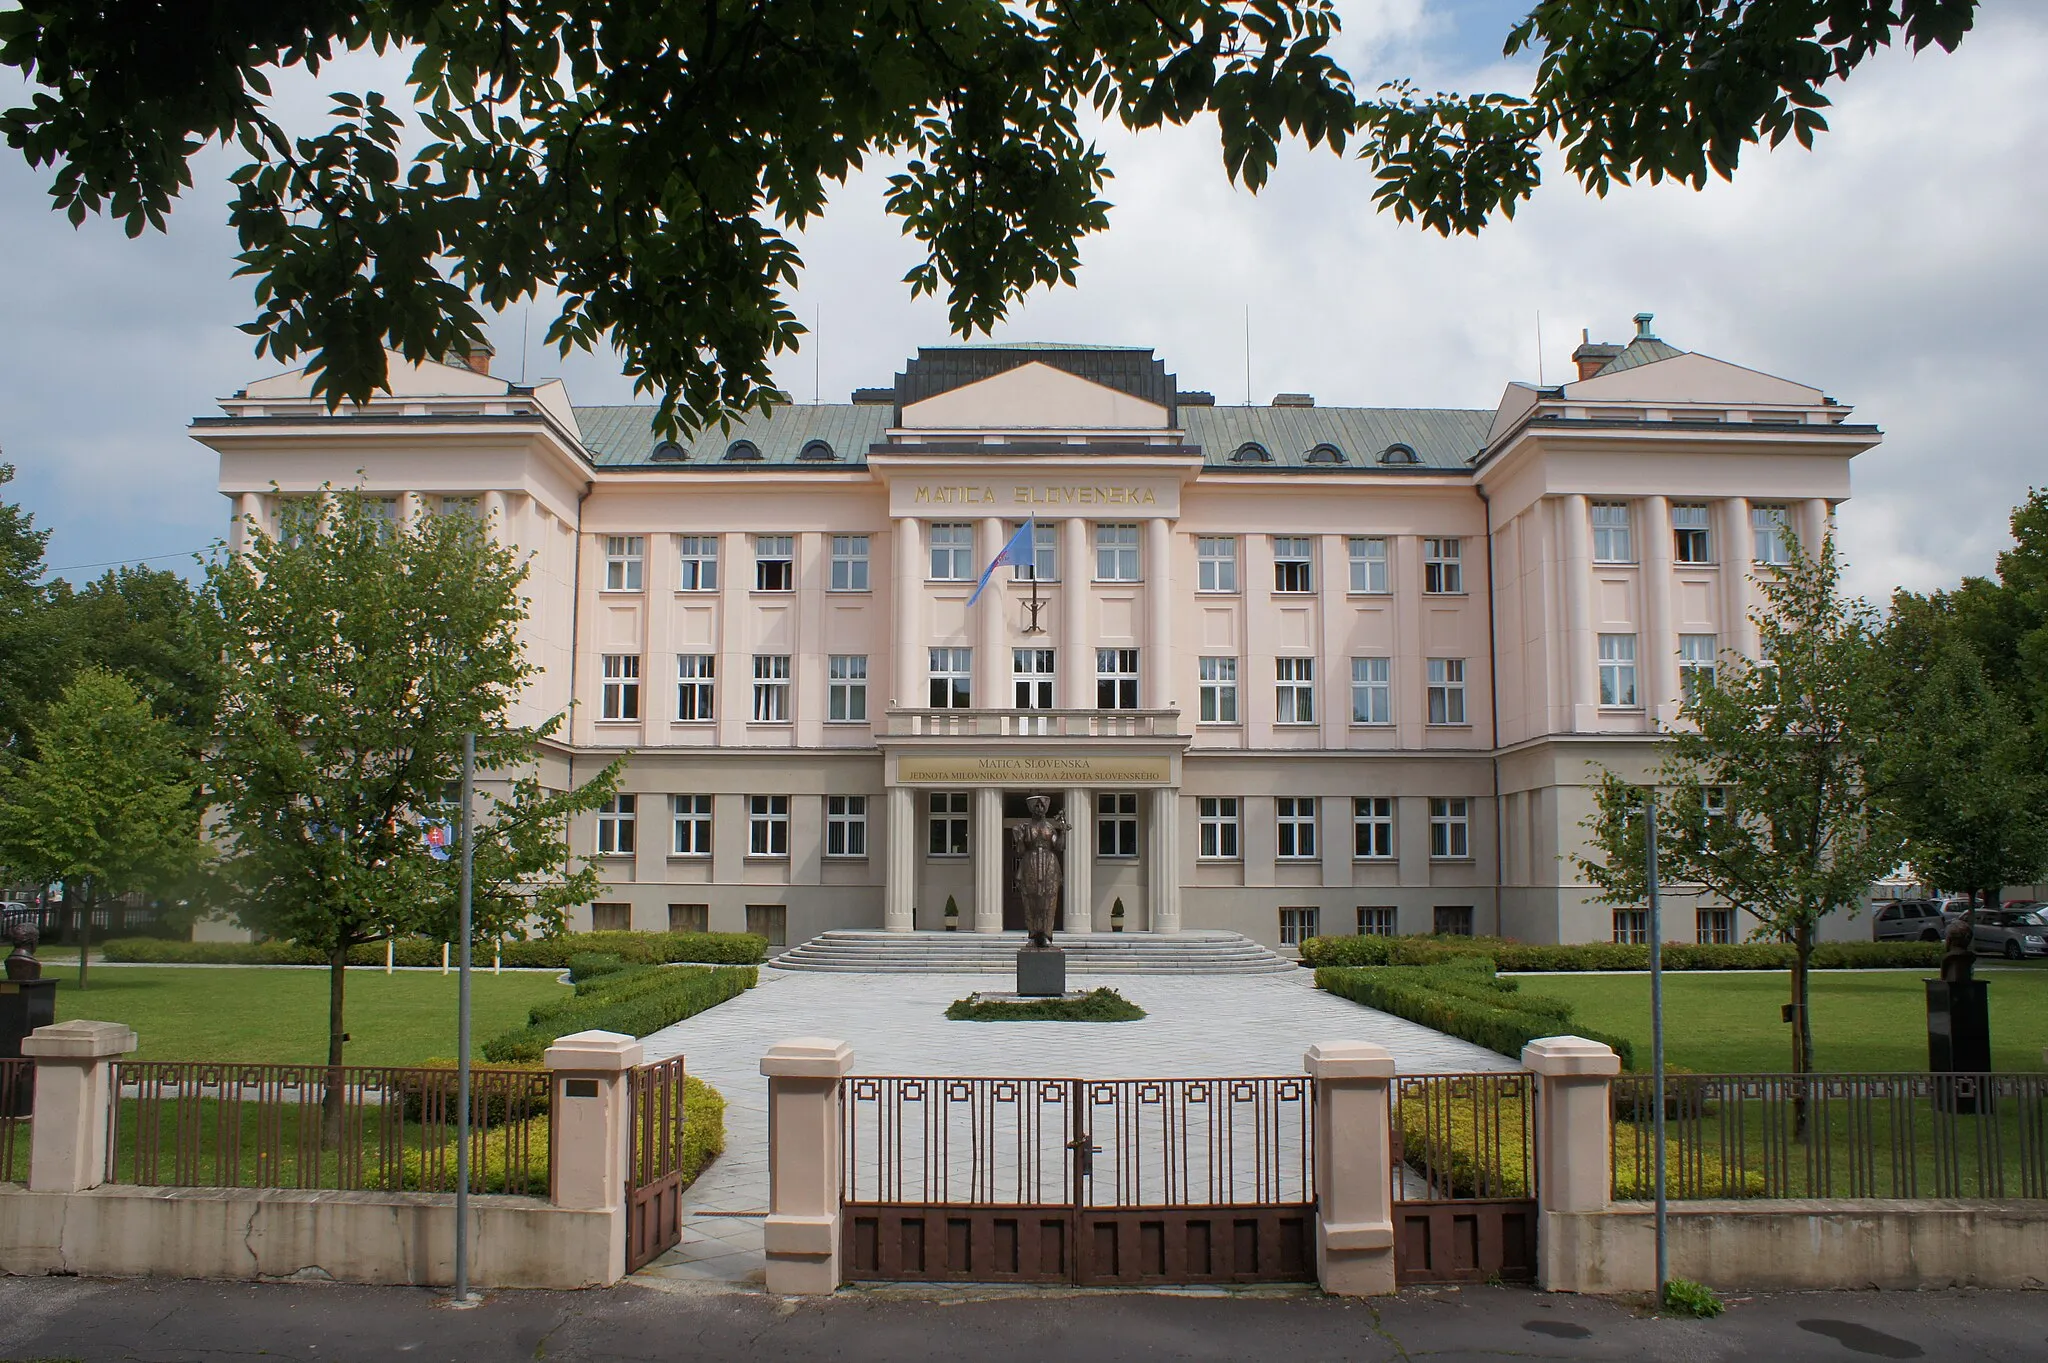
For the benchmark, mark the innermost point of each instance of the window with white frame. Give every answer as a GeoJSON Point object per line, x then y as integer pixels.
{"type": "Point", "coordinates": [952, 678]}
{"type": "Point", "coordinates": [1618, 670]}
{"type": "Point", "coordinates": [1116, 552]}
{"type": "Point", "coordinates": [1612, 542]}
{"type": "Point", "coordinates": [1452, 920]}
{"type": "Point", "coordinates": [1218, 678]}
{"type": "Point", "coordinates": [468, 507]}
{"type": "Point", "coordinates": [615, 819]}
{"type": "Point", "coordinates": [695, 685]}
{"type": "Point", "coordinates": [1044, 563]}
{"type": "Point", "coordinates": [1772, 526]}
{"type": "Point", "coordinates": [849, 563]}
{"type": "Point", "coordinates": [846, 688]}
{"type": "Point", "coordinates": [1376, 920]}
{"type": "Point", "coordinates": [1450, 829]}
{"type": "Point", "coordinates": [697, 563]}
{"type": "Point", "coordinates": [774, 563]}
{"type": "Point", "coordinates": [1696, 656]}
{"type": "Point", "coordinates": [1632, 927]}
{"type": "Point", "coordinates": [1032, 676]}
{"type": "Point", "coordinates": [1294, 696]}
{"type": "Point", "coordinates": [1372, 827]}
{"type": "Point", "coordinates": [1692, 539]}
{"type": "Point", "coordinates": [1116, 824]}
{"type": "Point", "coordinates": [1369, 564]}
{"type": "Point", "coordinates": [1216, 825]}
{"type": "Point", "coordinates": [1714, 802]}
{"type": "Point", "coordinates": [1116, 678]}
{"type": "Point", "coordinates": [948, 823]}
{"type": "Point", "coordinates": [767, 825]}
{"type": "Point", "coordinates": [1294, 818]}
{"type": "Point", "coordinates": [952, 545]}
{"type": "Point", "coordinates": [384, 511]}
{"type": "Point", "coordinates": [1372, 690]}
{"type": "Point", "coordinates": [621, 696]}
{"type": "Point", "coordinates": [846, 825]}
{"type": "Point", "coordinates": [771, 688]}
{"type": "Point", "coordinates": [624, 558]}
{"type": "Point", "coordinates": [1293, 563]}
{"type": "Point", "coordinates": [1216, 563]}
{"type": "Point", "coordinates": [1446, 690]}
{"type": "Point", "coordinates": [1443, 568]}
{"type": "Point", "coordinates": [693, 824]}
{"type": "Point", "coordinates": [1714, 927]}
{"type": "Point", "coordinates": [1298, 925]}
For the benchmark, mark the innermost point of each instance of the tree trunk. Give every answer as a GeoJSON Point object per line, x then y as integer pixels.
{"type": "Point", "coordinates": [85, 896]}
{"type": "Point", "coordinates": [1802, 1023]}
{"type": "Point", "coordinates": [331, 1102]}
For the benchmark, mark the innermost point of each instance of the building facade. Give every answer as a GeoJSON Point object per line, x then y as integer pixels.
{"type": "Point", "coordinates": [1285, 670]}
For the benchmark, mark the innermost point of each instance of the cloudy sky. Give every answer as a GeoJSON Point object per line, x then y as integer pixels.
{"type": "Point", "coordinates": [1899, 267]}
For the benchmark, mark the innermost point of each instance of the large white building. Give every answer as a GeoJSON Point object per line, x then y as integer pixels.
{"type": "Point", "coordinates": [1286, 669]}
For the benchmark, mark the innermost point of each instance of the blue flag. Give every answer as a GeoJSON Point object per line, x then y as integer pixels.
{"type": "Point", "coordinates": [1017, 553]}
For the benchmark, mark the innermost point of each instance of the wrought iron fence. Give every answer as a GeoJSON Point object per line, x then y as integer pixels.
{"type": "Point", "coordinates": [17, 1095]}
{"type": "Point", "coordinates": [1464, 1137]}
{"type": "Point", "coordinates": [192, 1124]}
{"type": "Point", "coordinates": [1092, 1143]}
{"type": "Point", "coordinates": [1835, 1135]}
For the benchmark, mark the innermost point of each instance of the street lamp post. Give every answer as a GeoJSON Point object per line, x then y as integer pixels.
{"type": "Point", "coordinates": [1656, 1035]}
{"type": "Point", "coordinates": [462, 1116]}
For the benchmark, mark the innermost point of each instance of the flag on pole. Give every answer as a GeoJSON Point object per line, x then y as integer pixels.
{"type": "Point", "coordinates": [1016, 554]}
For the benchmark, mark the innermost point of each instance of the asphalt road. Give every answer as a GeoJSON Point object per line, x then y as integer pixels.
{"type": "Point", "coordinates": [100, 1321]}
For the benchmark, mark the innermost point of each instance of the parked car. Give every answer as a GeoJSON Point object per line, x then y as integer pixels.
{"type": "Point", "coordinates": [1908, 920]}
{"type": "Point", "coordinates": [2013, 933]}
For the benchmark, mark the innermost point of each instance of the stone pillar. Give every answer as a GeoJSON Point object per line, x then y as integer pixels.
{"type": "Point", "coordinates": [1354, 1152]}
{"type": "Point", "coordinates": [249, 519]}
{"type": "Point", "coordinates": [1159, 685]}
{"type": "Point", "coordinates": [1077, 570]}
{"type": "Point", "coordinates": [74, 1092]}
{"type": "Point", "coordinates": [590, 1115]}
{"type": "Point", "coordinates": [1077, 895]}
{"type": "Point", "coordinates": [1574, 1174]}
{"type": "Point", "coordinates": [805, 1184]}
{"type": "Point", "coordinates": [1582, 701]}
{"type": "Point", "coordinates": [1659, 643]}
{"type": "Point", "coordinates": [1162, 870]}
{"type": "Point", "coordinates": [906, 560]}
{"type": "Point", "coordinates": [1813, 525]}
{"type": "Point", "coordinates": [1738, 549]}
{"type": "Point", "coordinates": [899, 895]}
{"type": "Point", "coordinates": [992, 681]}
{"type": "Point", "coordinates": [987, 847]}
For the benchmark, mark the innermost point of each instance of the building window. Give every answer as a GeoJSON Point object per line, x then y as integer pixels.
{"type": "Point", "coordinates": [849, 563]}
{"type": "Point", "coordinates": [1216, 563]}
{"type": "Point", "coordinates": [611, 917]}
{"type": "Point", "coordinates": [1298, 925]}
{"type": "Point", "coordinates": [1714, 802]}
{"type": "Point", "coordinates": [846, 694]}
{"type": "Point", "coordinates": [1618, 669]}
{"type": "Point", "coordinates": [1219, 690]}
{"type": "Point", "coordinates": [1453, 920]}
{"type": "Point", "coordinates": [695, 685]}
{"type": "Point", "coordinates": [467, 507]}
{"type": "Point", "coordinates": [1369, 564]}
{"type": "Point", "coordinates": [1714, 927]}
{"type": "Point", "coordinates": [621, 697]}
{"type": "Point", "coordinates": [767, 825]}
{"type": "Point", "coordinates": [1116, 678]}
{"type": "Point", "coordinates": [1116, 553]}
{"type": "Point", "coordinates": [1773, 528]}
{"type": "Point", "coordinates": [1216, 828]}
{"type": "Point", "coordinates": [1443, 570]}
{"type": "Point", "coordinates": [1293, 564]}
{"type": "Point", "coordinates": [384, 511]}
{"type": "Point", "coordinates": [689, 918]}
{"type": "Point", "coordinates": [1632, 927]}
{"type": "Point", "coordinates": [1611, 540]}
{"type": "Point", "coordinates": [952, 552]}
{"type": "Point", "coordinates": [949, 823]}
{"type": "Point", "coordinates": [846, 825]}
{"type": "Point", "coordinates": [1446, 690]}
{"type": "Point", "coordinates": [1375, 920]}
{"type": "Point", "coordinates": [698, 563]}
{"type": "Point", "coordinates": [774, 563]}
{"type": "Point", "coordinates": [693, 824]}
{"type": "Point", "coordinates": [1450, 829]}
{"type": "Point", "coordinates": [1045, 555]}
{"type": "Point", "coordinates": [1295, 818]}
{"type": "Point", "coordinates": [624, 556]}
{"type": "Point", "coordinates": [1116, 824]}
{"type": "Point", "coordinates": [615, 818]}
{"type": "Point", "coordinates": [770, 922]}
{"type": "Point", "coordinates": [1372, 825]}
{"type": "Point", "coordinates": [1696, 655]}
{"type": "Point", "coordinates": [771, 688]}
{"type": "Point", "coordinates": [1691, 539]}
{"type": "Point", "coordinates": [952, 678]}
{"type": "Point", "coordinates": [1295, 693]}
{"type": "Point", "coordinates": [1372, 691]}
{"type": "Point", "coordinates": [1032, 674]}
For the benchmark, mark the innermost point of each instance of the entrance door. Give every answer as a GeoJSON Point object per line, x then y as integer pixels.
{"type": "Point", "coordinates": [1014, 814]}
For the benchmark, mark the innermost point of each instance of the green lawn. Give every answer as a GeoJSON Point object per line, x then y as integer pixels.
{"type": "Point", "coordinates": [1863, 1021]}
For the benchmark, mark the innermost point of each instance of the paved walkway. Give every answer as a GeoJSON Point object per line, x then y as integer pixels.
{"type": "Point", "coordinates": [1198, 1026]}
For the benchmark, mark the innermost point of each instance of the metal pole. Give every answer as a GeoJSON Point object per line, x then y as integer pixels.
{"type": "Point", "coordinates": [462, 1030]}
{"type": "Point", "coordinates": [1656, 1035]}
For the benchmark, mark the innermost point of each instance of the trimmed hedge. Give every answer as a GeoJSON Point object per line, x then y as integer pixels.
{"type": "Point", "coordinates": [591, 965]}
{"type": "Point", "coordinates": [1464, 998]}
{"type": "Point", "coordinates": [1524, 956]}
{"type": "Point", "coordinates": [1098, 1005]}
{"type": "Point", "coordinates": [553, 953]}
{"type": "Point", "coordinates": [642, 948]}
{"type": "Point", "coordinates": [635, 1002]}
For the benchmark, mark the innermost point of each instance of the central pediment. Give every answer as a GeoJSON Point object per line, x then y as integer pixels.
{"type": "Point", "coordinates": [1035, 396]}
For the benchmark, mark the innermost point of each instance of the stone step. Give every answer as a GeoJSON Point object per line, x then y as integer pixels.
{"type": "Point", "coordinates": [857, 950]}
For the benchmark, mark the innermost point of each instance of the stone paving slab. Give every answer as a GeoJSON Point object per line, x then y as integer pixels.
{"type": "Point", "coordinates": [1198, 1026]}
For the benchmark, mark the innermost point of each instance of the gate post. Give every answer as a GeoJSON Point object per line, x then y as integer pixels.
{"type": "Point", "coordinates": [74, 1090]}
{"type": "Point", "coordinates": [1353, 1157]}
{"type": "Point", "coordinates": [1574, 1157]}
{"type": "Point", "coordinates": [805, 1178]}
{"type": "Point", "coordinates": [589, 1124]}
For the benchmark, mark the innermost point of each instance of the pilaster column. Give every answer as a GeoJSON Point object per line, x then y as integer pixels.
{"type": "Point", "coordinates": [1354, 1150]}
{"type": "Point", "coordinates": [1813, 525]}
{"type": "Point", "coordinates": [1162, 873]}
{"type": "Point", "coordinates": [1160, 684]}
{"type": "Point", "coordinates": [1077, 896]}
{"type": "Point", "coordinates": [988, 859]}
{"type": "Point", "coordinates": [899, 865]}
{"type": "Point", "coordinates": [805, 1174]}
{"type": "Point", "coordinates": [74, 1090]}
{"type": "Point", "coordinates": [1575, 1173]}
{"type": "Point", "coordinates": [590, 1105]}
{"type": "Point", "coordinates": [992, 689]}
{"type": "Point", "coordinates": [1738, 549]}
{"type": "Point", "coordinates": [1077, 570]}
{"type": "Point", "coordinates": [1578, 611]}
{"type": "Point", "coordinates": [1659, 645]}
{"type": "Point", "coordinates": [248, 519]}
{"type": "Point", "coordinates": [906, 561]}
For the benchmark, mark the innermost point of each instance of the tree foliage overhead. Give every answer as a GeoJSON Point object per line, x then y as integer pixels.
{"type": "Point", "coordinates": [646, 160]}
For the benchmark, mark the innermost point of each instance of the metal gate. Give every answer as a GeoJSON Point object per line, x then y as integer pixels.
{"type": "Point", "coordinates": [1464, 1178]}
{"type": "Point", "coordinates": [1093, 1181]}
{"type": "Point", "coordinates": [654, 1162]}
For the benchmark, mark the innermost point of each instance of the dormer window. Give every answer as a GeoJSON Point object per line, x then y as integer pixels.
{"type": "Point", "coordinates": [742, 451]}
{"type": "Point", "coordinates": [816, 451]}
{"type": "Point", "coordinates": [1251, 452]}
{"type": "Point", "coordinates": [1399, 453]}
{"type": "Point", "coordinates": [669, 452]}
{"type": "Point", "coordinates": [1326, 453]}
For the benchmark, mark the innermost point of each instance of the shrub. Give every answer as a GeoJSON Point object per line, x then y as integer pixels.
{"type": "Point", "coordinates": [1536, 959]}
{"type": "Point", "coordinates": [1346, 951]}
{"type": "Point", "coordinates": [489, 1106]}
{"type": "Point", "coordinates": [1684, 1297]}
{"type": "Point", "coordinates": [1463, 999]}
{"type": "Point", "coordinates": [641, 948]}
{"type": "Point", "coordinates": [635, 1002]}
{"type": "Point", "coordinates": [590, 965]}
{"type": "Point", "coordinates": [1099, 1005]}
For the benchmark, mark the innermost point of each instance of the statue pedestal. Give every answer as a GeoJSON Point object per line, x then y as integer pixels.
{"type": "Point", "coordinates": [1041, 972]}
{"type": "Point", "coordinates": [24, 1006]}
{"type": "Point", "coordinates": [1959, 1039]}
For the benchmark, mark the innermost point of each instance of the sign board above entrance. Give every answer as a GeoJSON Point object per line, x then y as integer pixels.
{"type": "Point", "coordinates": [1048, 499]}
{"type": "Point", "coordinates": [1033, 769]}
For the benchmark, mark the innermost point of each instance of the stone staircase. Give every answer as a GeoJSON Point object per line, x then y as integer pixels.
{"type": "Point", "coordinates": [855, 950]}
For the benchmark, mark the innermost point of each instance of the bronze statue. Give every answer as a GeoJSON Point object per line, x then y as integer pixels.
{"type": "Point", "coordinates": [1959, 961]}
{"type": "Point", "coordinates": [22, 963]}
{"type": "Point", "coordinates": [1039, 844]}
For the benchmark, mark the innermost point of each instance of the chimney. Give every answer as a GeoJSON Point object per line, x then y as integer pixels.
{"type": "Point", "coordinates": [478, 360]}
{"type": "Point", "coordinates": [1592, 358]}
{"type": "Point", "coordinates": [1294, 399]}
{"type": "Point", "coordinates": [1643, 332]}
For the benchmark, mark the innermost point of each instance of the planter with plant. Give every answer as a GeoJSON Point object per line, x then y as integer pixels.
{"type": "Point", "coordinates": [952, 914]}
{"type": "Point", "coordinates": [1116, 915]}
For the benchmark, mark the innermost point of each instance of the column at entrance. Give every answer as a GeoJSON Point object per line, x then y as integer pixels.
{"type": "Point", "coordinates": [1077, 896]}
{"type": "Point", "coordinates": [1162, 871]}
{"type": "Point", "coordinates": [988, 859]}
{"type": "Point", "coordinates": [899, 894]}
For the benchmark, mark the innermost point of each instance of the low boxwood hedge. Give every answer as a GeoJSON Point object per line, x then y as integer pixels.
{"type": "Point", "coordinates": [635, 1001]}
{"type": "Point", "coordinates": [553, 953]}
{"type": "Point", "coordinates": [1463, 998]}
{"type": "Point", "coordinates": [1526, 956]}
